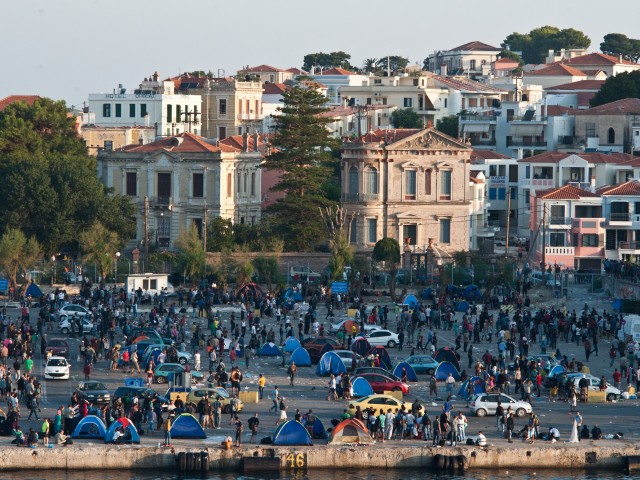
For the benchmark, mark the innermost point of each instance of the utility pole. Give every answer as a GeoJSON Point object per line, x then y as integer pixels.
{"type": "Point", "coordinates": [204, 237]}
{"type": "Point", "coordinates": [506, 248]}
{"type": "Point", "coordinates": [544, 239]}
{"type": "Point", "coordinates": [146, 230]}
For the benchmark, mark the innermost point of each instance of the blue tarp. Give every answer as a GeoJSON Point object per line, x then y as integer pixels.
{"type": "Point", "coordinates": [462, 306]}
{"type": "Point", "coordinates": [33, 291]}
{"type": "Point", "coordinates": [90, 427]}
{"type": "Point", "coordinates": [361, 387]}
{"type": "Point", "coordinates": [185, 425]}
{"type": "Point", "coordinates": [291, 433]}
{"type": "Point", "coordinates": [361, 346]}
{"type": "Point", "coordinates": [329, 363]}
{"type": "Point", "coordinates": [410, 300]}
{"type": "Point", "coordinates": [443, 370]}
{"type": "Point", "coordinates": [301, 357]}
{"type": "Point", "coordinates": [269, 350]}
{"type": "Point", "coordinates": [472, 292]}
{"type": "Point", "coordinates": [294, 295]}
{"type": "Point", "coordinates": [411, 373]}
{"type": "Point", "coordinates": [427, 293]}
{"type": "Point", "coordinates": [479, 386]}
{"type": "Point", "coordinates": [383, 355]}
{"type": "Point", "coordinates": [291, 344]}
{"type": "Point", "coordinates": [128, 427]}
{"type": "Point", "coordinates": [445, 354]}
{"type": "Point", "coordinates": [556, 371]}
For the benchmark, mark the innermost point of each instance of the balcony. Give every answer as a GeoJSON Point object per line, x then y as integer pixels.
{"type": "Point", "coordinates": [537, 183]}
{"type": "Point", "coordinates": [617, 219]}
{"type": "Point", "coordinates": [629, 248]}
{"type": "Point", "coordinates": [160, 201]}
{"type": "Point", "coordinates": [559, 251]}
{"type": "Point", "coordinates": [527, 119]}
{"type": "Point", "coordinates": [483, 142]}
{"type": "Point", "coordinates": [478, 118]}
{"type": "Point", "coordinates": [559, 221]}
{"type": "Point", "coordinates": [248, 116]}
{"type": "Point", "coordinates": [526, 143]}
{"type": "Point", "coordinates": [577, 184]}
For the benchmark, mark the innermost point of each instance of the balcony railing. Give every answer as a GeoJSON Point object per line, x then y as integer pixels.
{"type": "Point", "coordinates": [560, 221]}
{"type": "Point", "coordinates": [160, 201]}
{"type": "Point", "coordinates": [248, 116]}
{"type": "Point", "coordinates": [537, 182]}
{"type": "Point", "coordinates": [619, 217]}
{"type": "Point", "coordinates": [522, 118]}
{"type": "Point", "coordinates": [526, 143]}
{"type": "Point", "coordinates": [478, 118]}
{"type": "Point", "coordinates": [559, 250]}
{"type": "Point", "coordinates": [478, 142]}
{"type": "Point", "coordinates": [629, 245]}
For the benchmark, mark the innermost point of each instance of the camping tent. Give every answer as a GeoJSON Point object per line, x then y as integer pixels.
{"type": "Point", "coordinates": [90, 427]}
{"type": "Point", "coordinates": [410, 300]}
{"type": "Point", "coordinates": [446, 354]}
{"type": "Point", "coordinates": [383, 355]}
{"type": "Point", "coordinates": [556, 371]}
{"type": "Point", "coordinates": [327, 348]}
{"type": "Point", "coordinates": [269, 350]}
{"type": "Point", "coordinates": [361, 346]}
{"type": "Point", "coordinates": [294, 295]}
{"type": "Point", "coordinates": [291, 344]}
{"type": "Point", "coordinates": [185, 425]}
{"type": "Point", "coordinates": [291, 433]}
{"type": "Point", "coordinates": [130, 433]}
{"type": "Point", "coordinates": [301, 357]}
{"type": "Point", "coordinates": [350, 431]}
{"type": "Point", "coordinates": [479, 386]}
{"type": "Point", "coordinates": [330, 362]}
{"type": "Point", "coordinates": [318, 430]}
{"type": "Point", "coordinates": [250, 290]}
{"type": "Point", "coordinates": [33, 291]}
{"type": "Point", "coordinates": [411, 373]}
{"type": "Point", "coordinates": [443, 370]}
{"type": "Point", "coordinates": [462, 306]}
{"type": "Point", "coordinates": [361, 387]}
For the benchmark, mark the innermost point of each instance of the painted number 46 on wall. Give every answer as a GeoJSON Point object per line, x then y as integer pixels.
{"type": "Point", "coordinates": [296, 460]}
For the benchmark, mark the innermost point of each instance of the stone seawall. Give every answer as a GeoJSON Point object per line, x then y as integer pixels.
{"type": "Point", "coordinates": [610, 455]}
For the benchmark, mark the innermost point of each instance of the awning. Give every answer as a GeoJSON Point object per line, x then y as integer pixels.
{"type": "Point", "coordinates": [475, 127]}
{"type": "Point", "coordinates": [520, 130]}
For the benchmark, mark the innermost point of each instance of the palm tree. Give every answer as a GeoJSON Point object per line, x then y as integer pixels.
{"type": "Point", "coordinates": [370, 65]}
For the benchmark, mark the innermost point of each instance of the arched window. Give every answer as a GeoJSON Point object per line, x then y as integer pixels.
{"type": "Point", "coordinates": [612, 136]}
{"type": "Point", "coordinates": [370, 179]}
{"type": "Point", "coordinates": [353, 180]}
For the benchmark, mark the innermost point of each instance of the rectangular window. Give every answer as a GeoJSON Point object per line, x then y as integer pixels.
{"type": "Point", "coordinates": [132, 110]}
{"type": "Point", "coordinates": [493, 193]}
{"type": "Point", "coordinates": [198, 222]}
{"type": "Point", "coordinates": [164, 187]}
{"type": "Point", "coordinates": [527, 171]}
{"type": "Point", "coordinates": [257, 110]}
{"type": "Point", "coordinates": [178, 113]}
{"type": "Point", "coordinates": [513, 173]}
{"type": "Point", "coordinates": [514, 193]}
{"type": "Point", "coordinates": [590, 240]}
{"type": "Point", "coordinates": [108, 145]}
{"type": "Point", "coordinates": [427, 182]}
{"type": "Point", "coordinates": [408, 102]}
{"type": "Point", "coordinates": [372, 230]}
{"type": "Point", "coordinates": [410, 185]}
{"type": "Point", "coordinates": [557, 215]}
{"type": "Point", "coordinates": [229, 184]}
{"type": "Point", "coordinates": [132, 184]}
{"type": "Point", "coordinates": [445, 185]}
{"type": "Point", "coordinates": [590, 130]}
{"type": "Point", "coordinates": [222, 132]}
{"type": "Point", "coordinates": [472, 64]}
{"type": "Point", "coordinates": [410, 232]}
{"type": "Point", "coordinates": [239, 107]}
{"type": "Point", "coordinates": [106, 110]}
{"type": "Point", "coordinates": [502, 193]}
{"type": "Point", "coordinates": [118, 110]}
{"type": "Point", "coordinates": [143, 110]}
{"type": "Point", "coordinates": [222, 106]}
{"type": "Point", "coordinates": [198, 185]}
{"type": "Point", "coordinates": [445, 230]}
{"type": "Point", "coordinates": [169, 113]}
{"type": "Point", "coordinates": [353, 232]}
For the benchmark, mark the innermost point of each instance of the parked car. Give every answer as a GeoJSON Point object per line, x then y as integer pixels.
{"type": "Point", "coordinates": [423, 364]}
{"type": "Point", "coordinates": [384, 338]}
{"type": "Point", "coordinates": [594, 385]}
{"type": "Point", "coordinates": [315, 345]}
{"type": "Point", "coordinates": [196, 394]}
{"type": "Point", "coordinates": [66, 327]}
{"type": "Point", "coordinates": [95, 392]}
{"type": "Point", "coordinates": [72, 310]}
{"type": "Point", "coordinates": [57, 368]}
{"type": "Point", "coordinates": [376, 370]}
{"type": "Point", "coordinates": [58, 347]}
{"type": "Point", "coordinates": [162, 372]}
{"type": "Point", "coordinates": [484, 404]}
{"type": "Point", "coordinates": [153, 351]}
{"type": "Point", "coordinates": [378, 402]}
{"type": "Point", "coordinates": [349, 358]}
{"type": "Point", "coordinates": [383, 383]}
{"type": "Point", "coordinates": [336, 327]}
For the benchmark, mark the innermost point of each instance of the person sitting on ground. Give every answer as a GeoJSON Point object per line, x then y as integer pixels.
{"type": "Point", "coordinates": [61, 439]}
{"type": "Point", "coordinates": [596, 433]}
{"type": "Point", "coordinates": [32, 438]}
{"type": "Point", "coordinates": [584, 432]}
{"type": "Point", "coordinates": [481, 441]}
{"type": "Point", "coordinates": [554, 434]}
{"type": "Point", "coordinates": [19, 436]}
{"type": "Point", "coordinates": [118, 436]}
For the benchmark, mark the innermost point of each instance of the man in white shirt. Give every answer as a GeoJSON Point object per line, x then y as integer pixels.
{"type": "Point", "coordinates": [481, 441]}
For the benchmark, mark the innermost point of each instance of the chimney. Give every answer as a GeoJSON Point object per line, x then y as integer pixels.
{"type": "Point", "coordinates": [593, 184]}
{"type": "Point", "coordinates": [141, 141]}
{"type": "Point", "coordinates": [155, 76]}
{"type": "Point", "coordinates": [255, 141]}
{"type": "Point", "coordinates": [245, 142]}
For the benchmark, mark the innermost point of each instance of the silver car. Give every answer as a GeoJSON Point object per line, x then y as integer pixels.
{"type": "Point", "coordinates": [484, 404]}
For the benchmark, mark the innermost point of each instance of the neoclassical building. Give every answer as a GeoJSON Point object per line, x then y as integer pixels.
{"type": "Point", "coordinates": [407, 184]}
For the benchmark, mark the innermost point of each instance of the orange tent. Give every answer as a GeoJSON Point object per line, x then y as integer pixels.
{"type": "Point", "coordinates": [348, 326]}
{"type": "Point", "coordinates": [350, 430]}
{"type": "Point", "coordinates": [140, 338]}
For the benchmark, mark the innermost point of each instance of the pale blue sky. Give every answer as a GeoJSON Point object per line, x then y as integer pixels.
{"type": "Point", "coordinates": [66, 49]}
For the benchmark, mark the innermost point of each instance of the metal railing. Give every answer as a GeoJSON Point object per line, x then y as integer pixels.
{"type": "Point", "coordinates": [526, 143]}
{"type": "Point", "coordinates": [478, 118]}
{"type": "Point", "coordinates": [619, 217]}
{"type": "Point", "coordinates": [161, 201]}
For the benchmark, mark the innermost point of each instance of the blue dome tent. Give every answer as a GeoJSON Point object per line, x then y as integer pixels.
{"type": "Point", "coordinates": [130, 433]}
{"type": "Point", "coordinates": [411, 301]}
{"type": "Point", "coordinates": [318, 430]}
{"type": "Point", "coordinates": [427, 293]}
{"type": "Point", "coordinates": [462, 306]}
{"type": "Point", "coordinates": [269, 350]}
{"type": "Point", "coordinates": [411, 373]}
{"type": "Point", "coordinates": [446, 354]}
{"type": "Point", "coordinates": [329, 363]}
{"type": "Point", "coordinates": [556, 371]}
{"type": "Point", "coordinates": [444, 369]}
{"type": "Point", "coordinates": [90, 427]}
{"type": "Point", "coordinates": [301, 357]}
{"type": "Point", "coordinates": [185, 425]}
{"type": "Point", "coordinates": [383, 355]}
{"type": "Point", "coordinates": [291, 433]}
{"type": "Point", "coordinates": [361, 387]}
{"type": "Point", "coordinates": [294, 295]}
{"type": "Point", "coordinates": [479, 386]}
{"type": "Point", "coordinates": [33, 291]}
{"type": "Point", "coordinates": [291, 344]}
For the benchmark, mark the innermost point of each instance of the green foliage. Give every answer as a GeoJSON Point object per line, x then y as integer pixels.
{"type": "Point", "coordinates": [393, 62]}
{"type": "Point", "coordinates": [448, 125]}
{"type": "Point", "coordinates": [220, 235]}
{"type": "Point", "coordinates": [623, 85]}
{"type": "Point", "coordinates": [17, 252]}
{"type": "Point", "coordinates": [406, 118]}
{"type": "Point", "coordinates": [536, 44]}
{"type": "Point", "coordinates": [511, 55]}
{"type": "Point", "coordinates": [99, 246]}
{"type": "Point", "coordinates": [190, 255]}
{"type": "Point", "coordinates": [342, 254]}
{"type": "Point", "coordinates": [370, 65]}
{"type": "Point", "coordinates": [268, 270]}
{"type": "Point", "coordinates": [619, 44]}
{"type": "Point", "coordinates": [244, 272]}
{"type": "Point", "coordinates": [327, 60]}
{"type": "Point", "coordinates": [303, 154]}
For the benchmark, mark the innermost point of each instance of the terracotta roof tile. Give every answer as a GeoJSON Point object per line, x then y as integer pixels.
{"type": "Point", "coordinates": [296, 71]}
{"type": "Point", "coordinates": [274, 89]}
{"type": "Point", "coordinates": [591, 157]}
{"type": "Point", "coordinates": [187, 143]}
{"type": "Point", "coordinates": [557, 70]}
{"type": "Point", "coordinates": [567, 192]}
{"type": "Point", "coordinates": [597, 58]}
{"type": "Point", "coordinates": [391, 135]}
{"type": "Point", "coordinates": [237, 141]}
{"type": "Point", "coordinates": [337, 71]}
{"type": "Point", "coordinates": [262, 69]}
{"type": "Point", "coordinates": [557, 110]}
{"type": "Point", "coordinates": [625, 106]}
{"type": "Point", "coordinates": [6, 101]}
{"type": "Point", "coordinates": [487, 155]}
{"type": "Point", "coordinates": [463, 84]}
{"type": "Point", "coordinates": [475, 45]}
{"type": "Point", "coordinates": [594, 85]}
{"type": "Point", "coordinates": [628, 188]}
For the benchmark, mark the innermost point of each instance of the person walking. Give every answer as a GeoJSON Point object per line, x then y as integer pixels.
{"type": "Point", "coordinates": [166, 428]}
{"type": "Point", "coordinates": [253, 426]}
{"type": "Point", "coordinates": [275, 398]}
{"type": "Point", "coordinates": [575, 428]}
{"type": "Point", "coordinates": [292, 372]}
{"type": "Point", "coordinates": [510, 427]}
{"type": "Point", "coordinates": [261, 383]}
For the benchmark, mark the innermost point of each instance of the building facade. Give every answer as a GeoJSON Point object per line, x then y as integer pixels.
{"type": "Point", "coordinates": [114, 138]}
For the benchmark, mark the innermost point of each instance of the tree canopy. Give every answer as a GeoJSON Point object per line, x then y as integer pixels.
{"type": "Point", "coordinates": [302, 152]}
{"type": "Point", "coordinates": [326, 60]}
{"type": "Point", "coordinates": [190, 252]}
{"type": "Point", "coordinates": [536, 44]}
{"type": "Point", "coordinates": [619, 44]}
{"type": "Point", "coordinates": [623, 85]}
{"type": "Point", "coordinates": [17, 252]}
{"type": "Point", "coordinates": [406, 118]}
{"type": "Point", "coordinates": [449, 125]}
{"type": "Point", "coordinates": [99, 246]}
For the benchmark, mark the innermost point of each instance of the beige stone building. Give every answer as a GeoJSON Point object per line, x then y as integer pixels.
{"type": "Point", "coordinates": [114, 138]}
{"type": "Point", "coordinates": [410, 185]}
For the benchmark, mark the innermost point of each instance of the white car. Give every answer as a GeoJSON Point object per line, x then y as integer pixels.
{"type": "Point", "coordinates": [66, 327]}
{"type": "Point", "coordinates": [57, 368]}
{"type": "Point", "coordinates": [336, 327]}
{"type": "Point", "coordinates": [594, 385]}
{"type": "Point", "coordinates": [484, 404]}
{"type": "Point", "coordinates": [72, 310]}
{"type": "Point", "coordinates": [384, 338]}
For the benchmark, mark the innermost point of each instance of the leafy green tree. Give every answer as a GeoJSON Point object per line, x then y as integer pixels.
{"type": "Point", "coordinates": [220, 236]}
{"type": "Point", "coordinates": [303, 154]}
{"type": "Point", "coordinates": [393, 62]}
{"type": "Point", "coordinates": [327, 60]}
{"type": "Point", "coordinates": [406, 118]}
{"type": "Point", "coordinates": [536, 44]}
{"type": "Point", "coordinates": [619, 44]}
{"type": "Point", "coordinates": [623, 85]}
{"type": "Point", "coordinates": [99, 246]}
{"type": "Point", "coordinates": [17, 252]}
{"type": "Point", "coordinates": [190, 255]}
{"type": "Point", "coordinates": [387, 250]}
{"type": "Point", "coordinates": [512, 56]}
{"type": "Point", "coordinates": [268, 270]}
{"type": "Point", "coordinates": [244, 272]}
{"type": "Point", "coordinates": [370, 65]}
{"type": "Point", "coordinates": [448, 125]}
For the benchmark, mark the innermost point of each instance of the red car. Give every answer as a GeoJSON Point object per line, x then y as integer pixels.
{"type": "Point", "coordinates": [382, 383]}
{"type": "Point", "coordinates": [58, 347]}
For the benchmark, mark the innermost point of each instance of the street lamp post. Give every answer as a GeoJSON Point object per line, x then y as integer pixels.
{"type": "Point", "coordinates": [116, 269]}
{"type": "Point", "coordinates": [453, 264]}
{"type": "Point", "coordinates": [53, 271]}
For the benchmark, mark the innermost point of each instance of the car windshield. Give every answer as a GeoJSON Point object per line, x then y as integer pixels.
{"type": "Point", "coordinates": [93, 386]}
{"type": "Point", "coordinates": [57, 343]}
{"type": "Point", "coordinates": [57, 362]}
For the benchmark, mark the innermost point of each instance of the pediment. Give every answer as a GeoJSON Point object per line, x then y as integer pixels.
{"type": "Point", "coordinates": [163, 157]}
{"type": "Point", "coordinates": [407, 216]}
{"type": "Point", "coordinates": [428, 139]}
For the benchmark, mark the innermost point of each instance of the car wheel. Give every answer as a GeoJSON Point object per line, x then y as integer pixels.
{"type": "Point", "coordinates": [226, 409]}
{"type": "Point", "coordinates": [64, 331]}
{"type": "Point", "coordinates": [611, 397]}
{"type": "Point", "coordinates": [481, 412]}
{"type": "Point", "coordinates": [520, 412]}
{"type": "Point", "coordinates": [161, 379]}
{"type": "Point", "coordinates": [391, 344]}
{"type": "Point", "coordinates": [182, 361]}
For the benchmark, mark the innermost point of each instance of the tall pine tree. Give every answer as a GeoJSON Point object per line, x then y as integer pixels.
{"type": "Point", "coordinates": [302, 151]}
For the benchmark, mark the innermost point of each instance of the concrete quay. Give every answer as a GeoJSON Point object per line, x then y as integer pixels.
{"type": "Point", "coordinates": [606, 455]}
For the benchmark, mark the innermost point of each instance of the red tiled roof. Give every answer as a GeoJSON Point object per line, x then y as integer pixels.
{"type": "Point", "coordinates": [556, 70]}
{"type": "Point", "coordinates": [567, 192]}
{"type": "Point", "coordinates": [625, 106]}
{"type": "Point", "coordinates": [591, 157]}
{"type": "Point", "coordinates": [391, 136]}
{"type": "Point", "coordinates": [459, 83]}
{"type": "Point", "coordinates": [274, 89]}
{"type": "Point", "coordinates": [236, 142]}
{"type": "Point", "coordinates": [487, 155]}
{"type": "Point", "coordinates": [628, 188]}
{"type": "Point", "coordinates": [597, 58]}
{"type": "Point", "coordinates": [474, 46]}
{"type": "Point", "coordinates": [584, 98]}
{"type": "Point", "coordinates": [296, 71]}
{"type": "Point", "coordinates": [262, 69]}
{"type": "Point", "coordinates": [29, 99]}
{"type": "Point", "coordinates": [505, 60]}
{"type": "Point", "coordinates": [190, 144]}
{"type": "Point", "coordinates": [579, 85]}
{"type": "Point", "coordinates": [337, 71]}
{"type": "Point", "coordinates": [557, 110]}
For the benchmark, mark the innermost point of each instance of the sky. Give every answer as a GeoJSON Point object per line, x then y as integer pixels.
{"type": "Point", "coordinates": [67, 49]}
